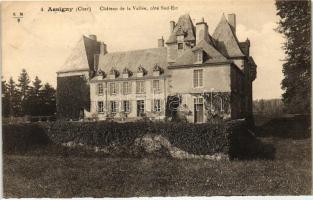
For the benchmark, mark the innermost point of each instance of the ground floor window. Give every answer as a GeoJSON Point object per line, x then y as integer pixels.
{"type": "Point", "coordinates": [126, 106]}
{"type": "Point", "coordinates": [156, 105]}
{"type": "Point", "coordinates": [113, 106]}
{"type": "Point", "coordinates": [100, 107]}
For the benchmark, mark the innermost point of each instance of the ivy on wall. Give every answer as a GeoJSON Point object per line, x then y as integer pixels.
{"type": "Point", "coordinates": [73, 96]}
{"type": "Point", "coordinates": [217, 105]}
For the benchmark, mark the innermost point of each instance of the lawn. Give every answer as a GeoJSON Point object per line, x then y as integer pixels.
{"type": "Point", "coordinates": [46, 172]}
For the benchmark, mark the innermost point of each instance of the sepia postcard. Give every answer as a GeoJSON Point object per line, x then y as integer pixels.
{"type": "Point", "coordinates": [156, 98]}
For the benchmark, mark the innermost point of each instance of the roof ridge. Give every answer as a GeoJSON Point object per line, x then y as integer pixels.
{"type": "Point", "coordinates": [136, 50]}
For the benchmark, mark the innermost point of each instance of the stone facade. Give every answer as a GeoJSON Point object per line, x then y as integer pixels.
{"type": "Point", "coordinates": [211, 74]}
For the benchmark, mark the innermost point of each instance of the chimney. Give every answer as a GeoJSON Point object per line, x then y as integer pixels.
{"type": "Point", "coordinates": [232, 21]}
{"type": "Point", "coordinates": [161, 42]}
{"type": "Point", "coordinates": [172, 26]}
{"type": "Point", "coordinates": [201, 31]}
{"type": "Point", "coordinates": [103, 48]}
{"type": "Point", "coordinates": [93, 37]}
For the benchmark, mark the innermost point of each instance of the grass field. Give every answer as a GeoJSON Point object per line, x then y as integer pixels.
{"type": "Point", "coordinates": [46, 172]}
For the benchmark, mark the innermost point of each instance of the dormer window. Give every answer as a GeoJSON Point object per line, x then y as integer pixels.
{"type": "Point", "coordinates": [126, 73]}
{"type": "Point", "coordinates": [199, 54]}
{"type": "Point", "coordinates": [100, 73]}
{"type": "Point", "coordinates": [156, 70]}
{"type": "Point", "coordinates": [140, 71]}
{"type": "Point", "coordinates": [113, 73]}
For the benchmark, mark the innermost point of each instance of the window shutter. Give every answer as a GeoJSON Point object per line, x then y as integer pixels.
{"type": "Point", "coordinates": [117, 87]}
{"type": "Point", "coordinates": [117, 103]}
{"type": "Point", "coordinates": [97, 93]}
{"type": "Point", "coordinates": [109, 88]}
{"type": "Point", "coordinates": [122, 106]}
{"type": "Point", "coordinates": [143, 86]}
{"type": "Point", "coordinates": [130, 105]}
{"type": "Point", "coordinates": [129, 87]}
{"type": "Point", "coordinates": [152, 105]}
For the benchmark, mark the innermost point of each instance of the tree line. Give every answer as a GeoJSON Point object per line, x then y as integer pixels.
{"type": "Point", "coordinates": [27, 98]}
{"type": "Point", "coordinates": [268, 107]}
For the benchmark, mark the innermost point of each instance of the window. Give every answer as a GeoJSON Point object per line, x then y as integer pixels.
{"type": "Point", "coordinates": [113, 89]}
{"type": "Point", "coordinates": [100, 89]}
{"type": "Point", "coordinates": [100, 107]}
{"type": "Point", "coordinates": [180, 45]}
{"type": "Point", "coordinates": [126, 87]}
{"type": "Point", "coordinates": [113, 106]}
{"type": "Point", "coordinates": [126, 106]}
{"type": "Point", "coordinates": [198, 78]}
{"type": "Point", "coordinates": [156, 86]}
{"type": "Point", "coordinates": [140, 87]}
{"type": "Point", "coordinates": [156, 105]}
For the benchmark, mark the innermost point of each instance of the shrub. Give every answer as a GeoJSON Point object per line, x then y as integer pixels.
{"type": "Point", "coordinates": [23, 137]}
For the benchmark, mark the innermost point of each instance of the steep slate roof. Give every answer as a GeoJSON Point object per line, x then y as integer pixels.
{"type": "Point", "coordinates": [185, 25]}
{"type": "Point", "coordinates": [146, 58]}
{"type": "Point", "coordinates": [189, 57]}
{"type": "Point", "coordinates": [77, 60]}
{"type": "Point", "coordinates": [226, 40]}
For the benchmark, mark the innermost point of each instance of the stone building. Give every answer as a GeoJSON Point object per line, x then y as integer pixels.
{"type": "Point", "coordinates": [210, 77]}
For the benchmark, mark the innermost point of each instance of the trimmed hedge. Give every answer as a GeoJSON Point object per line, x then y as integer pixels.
{"type": "Point", "coordinates": [193, 138]}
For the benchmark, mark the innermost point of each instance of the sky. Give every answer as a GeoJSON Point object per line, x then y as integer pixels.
{"type": "Point", "coordinates": [42, 40]}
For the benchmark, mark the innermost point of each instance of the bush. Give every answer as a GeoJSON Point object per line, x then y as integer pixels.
{"type": "Point", "coordinates": [23, 137]}
{"type": "Point", "coordinates": [193, 138]}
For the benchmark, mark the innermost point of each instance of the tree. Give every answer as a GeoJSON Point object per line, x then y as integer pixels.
{"type": "Point", "coordinates": [14, 99]}
{"type": "Point", "coordinates": [48, 95]}
{"type": "Point", "coordinates": [37, 86]}
{"type": "Point", "coordinates": [34, 100]}
{"type": "Point", "coordinates": [295, 24]}
{"type": "Point", "coordinates": [24, 91]}
{"type": "Point", "coordinates": [5, 99]}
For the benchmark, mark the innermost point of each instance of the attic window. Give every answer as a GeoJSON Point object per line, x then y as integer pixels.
{"type": "Point", "coordinates": [140, 71]}
{"type": "Point", "coordinates": [156, 70]}
{"type": "Point", "coordinates": [113, 73]}
{"type": "Point", "coordinates": [180, 45]}
{"type": "Point", "coordinates": [126, 73]}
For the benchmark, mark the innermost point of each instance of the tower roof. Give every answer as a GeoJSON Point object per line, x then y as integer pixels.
{"type": "Point", "coordinates": [77, 61]}
{"type": "Point", "coordinates": [226, 40]}
{"type": "Point", "coordinates": [184, 26]}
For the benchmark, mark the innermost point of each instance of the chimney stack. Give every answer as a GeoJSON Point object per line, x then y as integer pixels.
{"type": "Point", "coordinates": [103, 48]}
{"type": "Point", "coordinates": [172, 26]}
{"type": "Point", "coordinates": [232, 21]}
{"type": "Point", "coordinates": [201, 31]}
{"type": "Point", "coordinates": [93, 37]}
{"type": "Point", "coordinates": [161, 42]}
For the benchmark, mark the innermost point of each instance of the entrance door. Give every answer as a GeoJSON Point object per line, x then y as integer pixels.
{"type": "Point", "coordinates": [140, 107]}
{"type": "Point", "coordinates": [198, 111]}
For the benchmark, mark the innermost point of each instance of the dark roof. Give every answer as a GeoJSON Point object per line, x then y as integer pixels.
{"type": "Point", "coordinates": [184, 26]}
{"type": "Point", "coordinates": [226, 40]}
{"type": "Point", "coordinates": [146, 58]}
{"type": "Point", "coordinates": [189, 57]}
{"type": "Point", "coordinates": [77, 61]}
